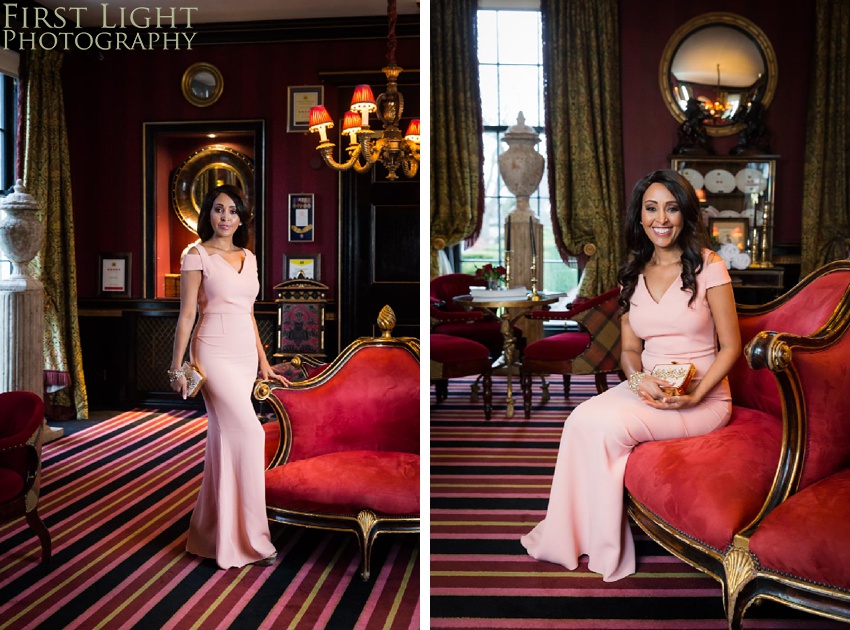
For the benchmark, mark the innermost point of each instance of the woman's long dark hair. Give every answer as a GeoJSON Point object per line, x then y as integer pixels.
{"type": "Point", "coordinates": [693, 238]}
{"type": "Point", "coordinates": [243, 235]}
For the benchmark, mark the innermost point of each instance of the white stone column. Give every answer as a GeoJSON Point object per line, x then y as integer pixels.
{"type": "Point", "coordinates": [521, 167]}
{"type": "Point", "coordinates": [22, 300]}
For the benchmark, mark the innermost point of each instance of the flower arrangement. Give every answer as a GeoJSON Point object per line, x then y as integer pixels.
{"type": "Point", "coordinates": [493, 275]}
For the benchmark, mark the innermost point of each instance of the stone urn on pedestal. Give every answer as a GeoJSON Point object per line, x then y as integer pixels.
{"type": "Point", "coordinates": [521, 167]}
{"type": "Point", "coordinates": [21, 298]}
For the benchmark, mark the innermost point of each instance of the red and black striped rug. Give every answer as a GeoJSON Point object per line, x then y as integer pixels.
{"type": "Point", "coordinates": [490, 484]}
{"type": "Point", "coordinates": [117, 499]}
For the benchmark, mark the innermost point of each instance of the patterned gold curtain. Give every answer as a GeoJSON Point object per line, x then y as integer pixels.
{"type": "Point", "coordinates": [826, 192]}
{"type": "Point", "coordinates": [47, 176]}
{"type": "Point", "coordinates": [457, 152]}
{"type": "Point", "coordinates": [581, 63]}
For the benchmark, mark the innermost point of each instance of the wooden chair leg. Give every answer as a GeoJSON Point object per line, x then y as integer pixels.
{"type": "Point", "coordinates": [37, 525]}
{"type": "Point", "coordinates": [601, 382]}
{"type": "Point", "coordinates": [441, 389]}
{"type": "Point", "coordinates": [525, 384]}
{"type": "Point", "coordinates": [566, 386]}
{"type": "Point", "coordinates": [487, 382]}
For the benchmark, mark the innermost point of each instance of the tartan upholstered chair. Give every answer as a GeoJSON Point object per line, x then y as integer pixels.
{"type": "Point", "coordinates": [594, 349]}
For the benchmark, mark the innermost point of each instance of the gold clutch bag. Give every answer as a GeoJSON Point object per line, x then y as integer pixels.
{"type": "Point", "coordinates": [679, 376]}
{"type": "Point", "coordinates": [194, 379]}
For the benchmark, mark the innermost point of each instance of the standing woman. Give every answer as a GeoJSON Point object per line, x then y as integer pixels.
{"type": "Point", "coordinates": [219, 275]}
{"type": "Point", "coordinates": [677, 304]}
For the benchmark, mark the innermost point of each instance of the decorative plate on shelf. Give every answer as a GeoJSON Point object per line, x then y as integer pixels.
{"type": "Point", "coordinates": [728, 213]}
{"type": "Point", "coordinates": [719, 181]}
{"type": "Point", "coordinates": [693, 176]}
{"type": "Point", "coordinates": [750, 180]}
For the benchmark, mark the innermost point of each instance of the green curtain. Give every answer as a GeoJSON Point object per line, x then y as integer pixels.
{"type": "Point", "coordinates": [826, 192]}
{"type": "Point", "coordinates": [457, 152]}
{"type": "Point", "coordinates": [581, 62]}
{"type": "Point", "coordinates": [43, 148]}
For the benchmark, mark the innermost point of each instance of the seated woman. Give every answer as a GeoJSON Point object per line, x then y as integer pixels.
{"type": "Point", "coordinates": [677, 304]}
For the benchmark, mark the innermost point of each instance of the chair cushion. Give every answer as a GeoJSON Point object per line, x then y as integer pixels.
{"type": "Point", "coordinates": [346, 482]}
{"type": "Point", "coordinates": [451, 349]}
{"type": "Point", "coordinates": [806, 535]}
{"type": "Point", "coordinates": [709, 487]}
{"type": "Point", "coordinates": [11, 484]}
{"type": "Point", "coordinates": [558, 347]}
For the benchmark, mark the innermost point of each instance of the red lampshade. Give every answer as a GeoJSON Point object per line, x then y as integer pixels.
{"type": "Point", "coordinates": [319, 117]}
{"type": "Point", "coordinates": [363, 99]}
{"type": "Point", "coordinates": [351, 122]}
{"type": "Point", "coordinates": [413, 130]}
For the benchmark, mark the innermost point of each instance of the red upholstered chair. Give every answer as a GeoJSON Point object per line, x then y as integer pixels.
{"type": "Point", "coordinates": [21, 421]}
{"type": "Point", "coordinates": [448, 318]}
{"type": "Point", "coordinates": [761, 504]}
{"type": "Point", "coordinates": [593, 349]}
{"type": "Point", "coordinates": [453, 357]}
{"type": "Point", "coordinates": [344, 452]}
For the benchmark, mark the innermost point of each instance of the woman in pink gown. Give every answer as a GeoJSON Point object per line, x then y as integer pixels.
{"type": "Point", "coordinates": [219, 275]}
{"type": "Point", "coordinates": [677, 306]}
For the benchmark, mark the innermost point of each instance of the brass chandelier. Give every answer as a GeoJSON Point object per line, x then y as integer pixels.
{"type": "Point", "coordinates": [392, 149]}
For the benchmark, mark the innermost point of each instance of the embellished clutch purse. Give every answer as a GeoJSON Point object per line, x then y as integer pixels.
{"type": "Point", "coordinates": [194, 379]}
{"type": "Point", "coordinates": [679, 376]}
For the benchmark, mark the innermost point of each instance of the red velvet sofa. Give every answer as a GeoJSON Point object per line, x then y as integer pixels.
{"type": "Point", "coordinates": [763, 504]}
{"type": "Point", "coordinates": [343, 454]}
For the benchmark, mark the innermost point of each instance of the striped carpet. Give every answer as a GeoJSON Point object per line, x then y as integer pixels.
{"type": "Point", "coordinates": [117, 499]}
{"type": "Point", "coordinates": [490, 484]}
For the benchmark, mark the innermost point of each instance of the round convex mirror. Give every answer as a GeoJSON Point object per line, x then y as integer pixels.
{"type": "Point", "coordinates": [202, 84]}
{"type": "Point", "coordinates": [725, 62]}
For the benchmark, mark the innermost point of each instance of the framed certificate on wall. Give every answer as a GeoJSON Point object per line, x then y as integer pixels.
{"type": "Point", "coordinates": [300, 99]}
{"type": "Point", "coordinates": [302, 266]}
{"type": "Point", "coordinates": [114, 275]}
{"type": "Point", "coordinates": [301, 218]}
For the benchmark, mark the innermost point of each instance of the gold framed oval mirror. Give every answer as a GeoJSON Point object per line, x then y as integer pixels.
{"type": "Point", "coordinates": [203, 170]}
{"type": "Point", "coordinates": [724, 61]}
{"type": "Point", "coordinates": [202, 84]}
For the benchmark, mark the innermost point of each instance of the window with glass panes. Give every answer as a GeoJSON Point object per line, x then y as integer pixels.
{"type": "Point", "coordinates": [510, 58]}
{"type": "Point", "coordinates": [8, 100]}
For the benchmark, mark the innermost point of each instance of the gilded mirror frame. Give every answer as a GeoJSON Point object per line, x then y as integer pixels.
{"type": "Point", "coordinates": [690, 27]}
{"type": "Point", "coordinates": [187, 177]}
{"type": "Point", "coordinates": [162, 149]}
{"type": "Point", "coordinates": [189, 77]}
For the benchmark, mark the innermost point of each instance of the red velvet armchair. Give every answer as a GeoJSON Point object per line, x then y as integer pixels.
{"type": "Point", "coordinates": [763, 504]}
{"type": "Point", "coordinates": [344, 452]}
{"type": "Point", "coordinates": [448, 318]}
{"type": "Point", "coordinates": [593, 349]}
{"type": "Point", "coordinates": [21, 422]}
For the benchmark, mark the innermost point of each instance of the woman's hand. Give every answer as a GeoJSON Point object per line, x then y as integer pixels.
{"type": "Point", "coordinates": [650, 393]}
{"type": "Point", "coordinates": [179, 385]}
{"type": "Point", "coordinates": [268, 374]}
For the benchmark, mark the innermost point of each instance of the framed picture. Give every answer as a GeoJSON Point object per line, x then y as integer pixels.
{"type": "Point", "coordinates": [299, 101]}
{"type": "Point", "coordinates": [114, 273]}
{"type": "Point", "coordinates": [301, 218]}
{"type": "Point", "coordinates": [728, 230]}
{"type": "Point", "coordinates": [302, 265]}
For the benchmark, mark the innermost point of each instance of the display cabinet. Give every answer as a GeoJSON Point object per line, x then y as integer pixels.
{"type": "Point", "coordinates": [737, 200]}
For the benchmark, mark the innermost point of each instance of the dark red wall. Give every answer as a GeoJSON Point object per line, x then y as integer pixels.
{"type": "Point", "coordinates": [108, 100]}
{"type": "Point", "coordinates": [649, 130]}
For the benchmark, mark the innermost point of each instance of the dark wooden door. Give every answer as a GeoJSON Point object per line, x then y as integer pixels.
{"type": "Point", "coordinates": [379, 254]}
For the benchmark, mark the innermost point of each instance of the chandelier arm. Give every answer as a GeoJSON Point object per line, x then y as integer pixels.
{"type": "Point", "coordinates": [367, 149]}
{"type": "Point", "coordinates": [327, 156]}
{"type": "Point", "coordinates": [409, 167]}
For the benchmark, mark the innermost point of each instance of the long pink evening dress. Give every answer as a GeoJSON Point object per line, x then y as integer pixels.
{"type": "Point", "coordinates": [229, 523]}
{"type": "Point", "coordinates": [586, 515]}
